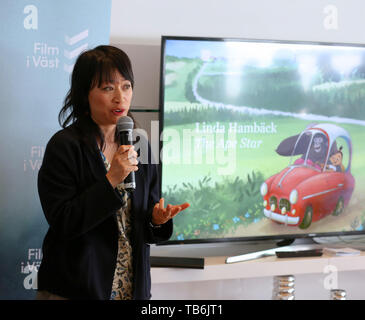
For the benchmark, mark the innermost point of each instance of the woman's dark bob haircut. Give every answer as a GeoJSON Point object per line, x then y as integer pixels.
{"type": "Point", "coordinates": [92, 68]}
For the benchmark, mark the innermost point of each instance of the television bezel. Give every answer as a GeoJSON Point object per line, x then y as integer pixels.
{"type": "Point", "coordinates": [283, 237]}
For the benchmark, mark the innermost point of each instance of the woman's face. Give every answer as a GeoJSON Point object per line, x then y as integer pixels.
{"type": "Point", "coordinates": [110, 101]}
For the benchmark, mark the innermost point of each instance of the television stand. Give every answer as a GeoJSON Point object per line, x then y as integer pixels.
{"type": "Point", "coordinates": [291, 244]}
{"type": "Point", "coordinates": [285, 242]}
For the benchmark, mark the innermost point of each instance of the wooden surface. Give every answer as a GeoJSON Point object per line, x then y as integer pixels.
{"type": "Point", "coordinates": [216, 268]}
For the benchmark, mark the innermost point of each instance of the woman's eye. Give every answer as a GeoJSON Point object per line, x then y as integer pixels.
{"type": "Point", "coordinates": [127, 86]}
{"type": "Point", "coordinates": [107, 88]}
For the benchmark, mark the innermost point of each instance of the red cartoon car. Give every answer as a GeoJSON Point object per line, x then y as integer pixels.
{"type": "Point", "coordinates": [316, 184]}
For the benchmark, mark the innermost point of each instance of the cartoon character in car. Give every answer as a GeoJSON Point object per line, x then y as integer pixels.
{"type": "Point", "coordinates": [312, 186]}
{"type": "Point", "coordinates": [336, 161]}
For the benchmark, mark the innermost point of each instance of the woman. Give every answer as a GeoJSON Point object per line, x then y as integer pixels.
{"type": "Point", "coordinates": [97, 245]}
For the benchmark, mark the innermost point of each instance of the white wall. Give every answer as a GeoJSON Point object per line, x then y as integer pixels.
{"type": "Point", "coordinates": [137, 26]}
{"type": "Point", "coordinates": [144, 21]}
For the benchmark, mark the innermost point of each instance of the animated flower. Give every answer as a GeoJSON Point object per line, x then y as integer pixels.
{"type": "Point", "coordinates": [235, 219]}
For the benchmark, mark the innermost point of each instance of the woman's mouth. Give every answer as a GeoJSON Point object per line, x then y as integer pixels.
{"type": "Point", "coordinates": [118, 112]}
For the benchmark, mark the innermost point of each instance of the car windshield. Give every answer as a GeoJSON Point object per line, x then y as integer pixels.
{"type": "Point", "coordinates": [310, 150]}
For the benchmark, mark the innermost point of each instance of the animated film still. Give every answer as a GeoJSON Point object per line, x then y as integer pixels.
{"type": "Point", "coordinates": [263, 138]}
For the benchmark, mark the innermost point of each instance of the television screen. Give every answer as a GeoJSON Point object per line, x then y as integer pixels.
{"type": "Point", "coordinates": [264, 139]}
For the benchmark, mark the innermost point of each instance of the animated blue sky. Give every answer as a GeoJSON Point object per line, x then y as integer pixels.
{"type": "Point", "coordinates": [344, 58]}
{"type": "Point", "coordinates": [192, 48]}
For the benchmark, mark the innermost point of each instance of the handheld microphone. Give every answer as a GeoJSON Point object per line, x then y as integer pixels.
{"type": "Point", "coordinates": [125, 129]}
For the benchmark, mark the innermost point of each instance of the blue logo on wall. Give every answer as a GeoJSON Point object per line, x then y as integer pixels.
{"type": "Point", "coordinates": [47, 56]}
{"type": "Point", "coordinates": [39, 47]}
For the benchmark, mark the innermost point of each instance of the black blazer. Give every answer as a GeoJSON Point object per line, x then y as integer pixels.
{"type": "Point", "coordinates": [80, 247]}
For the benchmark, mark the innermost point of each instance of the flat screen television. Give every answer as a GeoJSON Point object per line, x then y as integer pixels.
{"type": "Point", "coordinates": [265, 139]}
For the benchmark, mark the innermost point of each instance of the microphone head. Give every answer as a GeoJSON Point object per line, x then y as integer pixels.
{"type": "Point", "coordinates": [125, 123]}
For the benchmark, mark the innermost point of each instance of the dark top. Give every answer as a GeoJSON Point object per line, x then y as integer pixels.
{"type": "Point", "coordinates": [80, 247]}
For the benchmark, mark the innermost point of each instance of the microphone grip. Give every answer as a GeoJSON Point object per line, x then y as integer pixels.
{"type": "Point", "coordinates": [126, 139]}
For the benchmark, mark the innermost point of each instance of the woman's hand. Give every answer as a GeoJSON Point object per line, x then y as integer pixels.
{"type": "Point", "coordinates": [160, 215]}
{"type": "Point", "coordinates": [124, 162]}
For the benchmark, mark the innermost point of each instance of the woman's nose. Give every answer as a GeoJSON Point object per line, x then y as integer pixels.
{"type": "Point", "coordinates": [118, 95]}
